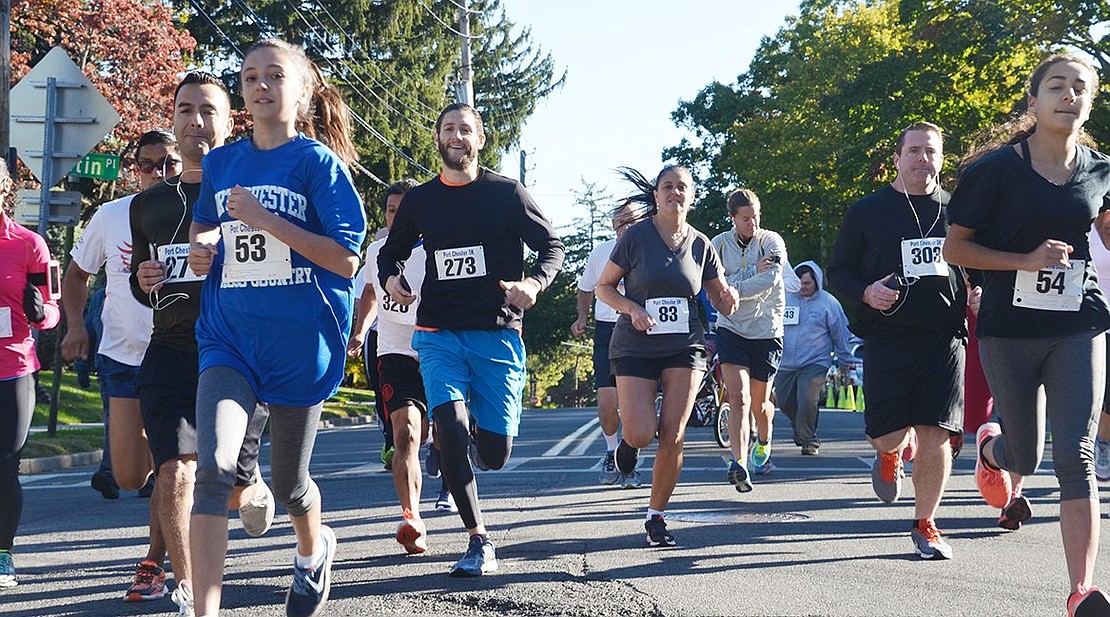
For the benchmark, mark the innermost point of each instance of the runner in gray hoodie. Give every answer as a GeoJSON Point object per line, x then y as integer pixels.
{"type": "Point", "coordinates": [815, 325]}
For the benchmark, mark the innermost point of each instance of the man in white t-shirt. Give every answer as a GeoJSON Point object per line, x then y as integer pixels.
{"type": "Point", "coordinates": [106, 242]}
{"type": "Point", "coordinates": [605, 317]}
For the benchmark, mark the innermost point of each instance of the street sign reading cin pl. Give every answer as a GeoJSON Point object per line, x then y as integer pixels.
{"type": "Point", "coordinates": [98, 166]}
{"type": "Point", "coordinates": [81, 115]}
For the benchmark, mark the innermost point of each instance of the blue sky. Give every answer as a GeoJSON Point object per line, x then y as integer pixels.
{"type": "Point", "coordinates": [629, 63]}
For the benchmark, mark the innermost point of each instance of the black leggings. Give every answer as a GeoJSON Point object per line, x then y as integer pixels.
{"type": "Point", "coordinates": [453, 428]}
{"type": "Point", "coordinates": [17, 404]}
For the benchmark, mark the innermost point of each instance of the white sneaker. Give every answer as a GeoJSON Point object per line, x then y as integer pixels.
{"type": "Point", "coordinates": [257, 514]}
{"type": "Point", "coordinates": [183, 597]}
{"type": "Point", "coordinates": [1102, 460]}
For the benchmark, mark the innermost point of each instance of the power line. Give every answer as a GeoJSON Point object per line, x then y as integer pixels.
{"type": "Point", "coordinates": [351, 45]}
{"type": "Point", "coordinates": [445, 24]}
{"type": "Point", "coordinates": [354, 115]}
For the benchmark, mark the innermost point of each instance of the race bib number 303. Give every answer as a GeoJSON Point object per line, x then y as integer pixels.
{"type": "Point", "coordinates": [176, 258]}
{"type": "Point", "coordinates": [465, 262]}
{"type": "Point", "coordinates": [922, 257]}
{"type": "Point", "coordinates": [671, 315]}
{"type": "Point", "coordinates": [1051, 289]}
{"type": "Point", "coordinates": [253, 254]}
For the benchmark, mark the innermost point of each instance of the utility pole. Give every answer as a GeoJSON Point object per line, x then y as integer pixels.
{"type": "Point", "coordinates": [523, 167]}
{"type": "Point", "coordinates": [464, 90]}
{"type": "Point", "coordinates": [6, 82]}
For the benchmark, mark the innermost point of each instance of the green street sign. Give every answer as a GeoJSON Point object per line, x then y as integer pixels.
{"type": "Point", "coordinates": [98, 166]}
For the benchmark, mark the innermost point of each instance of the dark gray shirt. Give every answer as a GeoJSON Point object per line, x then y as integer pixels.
{"type": "Point", "coordinates": [664, 282]}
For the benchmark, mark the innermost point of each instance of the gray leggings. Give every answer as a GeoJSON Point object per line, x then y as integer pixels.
{"type": "Point", "coordinates": [225, 403]}
{"type": "Point", "coordinates": [1072, 370]}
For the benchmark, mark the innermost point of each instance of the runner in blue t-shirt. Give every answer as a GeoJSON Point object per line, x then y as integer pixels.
{"type": "Point", "coordinates": [280, 253]}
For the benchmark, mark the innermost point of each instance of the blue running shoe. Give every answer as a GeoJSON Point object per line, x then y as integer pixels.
{"type": "Point", "coordinates": [761, 453]}
{"type": "Point", "coordinates": [309, 591]}
{"type": "Point", "coordinates": [7, 570]}
{"type": "Point", "coordinates": [739, 478]}
{"type": "Point", "coordinates": [480, 558]}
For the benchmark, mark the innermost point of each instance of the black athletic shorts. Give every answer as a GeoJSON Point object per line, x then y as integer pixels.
{"type": "Point", "coordinates": [652, 368]}
{"type": "Point", "coordinates": [168, 404]}
{"type": "Point", "coordinates": [401, 383]}
{"type": "Point", "coordinates": [603, 333]}
{"type": "Point", "coordinates": [915, 380]}
{"type": "Point", "coordinates": [760, 356]}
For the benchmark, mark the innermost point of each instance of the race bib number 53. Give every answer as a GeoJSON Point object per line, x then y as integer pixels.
{"type": "Point", "coordinates": [1051, 289]}
{"type": "Point", "coordinates": [253, 254]}
{"type": "Point", "coordinates": [671, 315]}
{"type": "Point", "coordinates": [465, 262]}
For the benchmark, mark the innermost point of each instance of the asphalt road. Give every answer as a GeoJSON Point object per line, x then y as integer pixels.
{"type": "Point", "coordinates": [810, 540]}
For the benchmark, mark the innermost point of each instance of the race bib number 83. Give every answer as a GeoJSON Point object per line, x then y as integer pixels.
{"type": "Point", "coordinates": [671, 315]}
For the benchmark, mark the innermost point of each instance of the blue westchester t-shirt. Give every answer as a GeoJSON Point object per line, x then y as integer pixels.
{"type": "Point", "coordinates": [286, 334]}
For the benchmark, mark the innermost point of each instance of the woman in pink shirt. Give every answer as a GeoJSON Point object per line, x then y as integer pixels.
{"type": "Point", "coordinates": [25, 303]}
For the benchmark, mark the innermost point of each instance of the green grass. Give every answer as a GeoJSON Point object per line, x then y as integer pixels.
{"type": "Point", "coordinates": [74, 404]}
{"type": "Point", "coordinates": [83, 406]}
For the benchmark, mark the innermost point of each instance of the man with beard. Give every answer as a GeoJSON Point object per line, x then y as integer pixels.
{"type": "Point", "coordinates": [472, 303]}
{"type": "Point", "coordinates": [909, 306]}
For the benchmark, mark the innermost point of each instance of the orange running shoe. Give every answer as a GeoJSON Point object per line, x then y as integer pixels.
{"type": "Point", "coordinates": [994, 484]}
{"type": "Point", "coordinates": [1088, 602]}
{"type": "Point", "coordinates": [412, 533]}
{"type": "Point", "coordinates": [886, 476]}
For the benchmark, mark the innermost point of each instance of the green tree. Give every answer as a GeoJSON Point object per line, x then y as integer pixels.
{"type": "Point", "coordinates": [396, 62]}
{"type": "Point", "coordinates": [554, 356]}
{"type": "Point", "coordinates": [810, 126]}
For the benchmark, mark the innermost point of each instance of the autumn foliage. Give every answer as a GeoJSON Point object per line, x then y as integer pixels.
{"type": "Point", "coordinates": [130, 49]}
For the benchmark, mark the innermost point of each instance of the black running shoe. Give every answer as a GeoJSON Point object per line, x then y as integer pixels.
{"type": "Point", "coordinates": [657, 534]}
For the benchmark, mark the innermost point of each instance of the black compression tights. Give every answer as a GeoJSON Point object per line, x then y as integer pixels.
{"type": "Point", "coordinates": [17, 403]}
{"type": "Point", "coordinates": [453, 428]}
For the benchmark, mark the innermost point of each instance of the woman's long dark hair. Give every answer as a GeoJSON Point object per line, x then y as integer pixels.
{"type": "Point", "coordinates": [643, 201]}
{"type": "Point", "coordinates": [1024, 124]}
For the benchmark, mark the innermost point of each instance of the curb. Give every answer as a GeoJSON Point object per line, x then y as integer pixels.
{"type": "Point", "coordinates": [31, 466]}
{"type": "Point", "coordinates": [46, 464]}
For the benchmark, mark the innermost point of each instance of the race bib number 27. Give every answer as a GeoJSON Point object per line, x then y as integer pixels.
{"type": "Point", "coordinates": [176, 258]}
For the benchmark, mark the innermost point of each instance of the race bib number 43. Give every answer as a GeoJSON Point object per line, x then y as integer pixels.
{"type": "Point", "coordinates": [790, 316]}
{"type": "Point", "coordinates": [671, 315]}
{"type": "Point", "coordinates": [176, 258]}
{"type": "Point", "coordinates": [922, 257]}
{"type": "Point", "coordinates": [465, 262]}
{"type": "Point", "coordinates": [253, 254]}
{"type": "Point", "coordinates": [1051, 289]}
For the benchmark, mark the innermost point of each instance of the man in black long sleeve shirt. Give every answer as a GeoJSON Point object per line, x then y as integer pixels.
{"type": "Point", "coordinates": [909, 308]}
{"type": "Point", "coordinates": [474, 223]}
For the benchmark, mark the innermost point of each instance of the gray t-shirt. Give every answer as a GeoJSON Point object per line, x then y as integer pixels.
{"type": "Point", "coordinates": [665, 283]}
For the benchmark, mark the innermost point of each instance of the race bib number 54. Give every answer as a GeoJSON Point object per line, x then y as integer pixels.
{"type": "Point", "coordinates": [465, 262]}
{"type": "Point", "coordinates": [253, 254]}
{"type": "Point", "coordinates": [1051, 289]}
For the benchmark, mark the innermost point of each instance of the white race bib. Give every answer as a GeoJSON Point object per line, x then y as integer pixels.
{"type": "Point", "coordinates": [176, 258]}
{"type": "Point", "coordinates": [922, 257]}
{"type": "Point", "coordinates": [253, 254]}
{"type": "Point", "coordinates": [397, 313]}
{"type": "Point", "coordinates": [5, 322]}
{"type": "Point", "coordinates": [790, 316]}
{"type": "Point", "coordinates": [465, 262]}
{"type": "Point", "coordinates": [671, 315]}
{"type": "Point", "coordinates": [1051, 289]}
